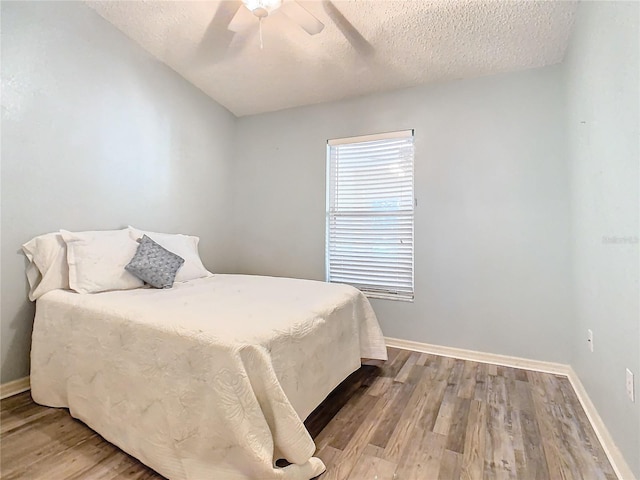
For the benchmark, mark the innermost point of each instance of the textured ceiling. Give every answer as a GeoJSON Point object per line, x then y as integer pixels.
{"type": "Point", "coordinates": [366, 46]}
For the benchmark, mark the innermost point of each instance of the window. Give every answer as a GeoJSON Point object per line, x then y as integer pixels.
{"type": "Point", "coordinates": [370, 206]}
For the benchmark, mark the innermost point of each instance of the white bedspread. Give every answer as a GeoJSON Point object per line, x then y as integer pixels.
{"type": "Point", "coordinates": [208, 380]}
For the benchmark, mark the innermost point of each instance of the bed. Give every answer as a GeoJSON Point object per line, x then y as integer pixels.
{"type": "Point", "coordinates": [210, 379]}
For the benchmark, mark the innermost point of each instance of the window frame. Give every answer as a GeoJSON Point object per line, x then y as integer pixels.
{"type": "Point", "coordinates": [387, 292]}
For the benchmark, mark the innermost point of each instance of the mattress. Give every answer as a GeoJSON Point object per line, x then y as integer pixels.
{"type": "Point", "coordinates": [211, 379]}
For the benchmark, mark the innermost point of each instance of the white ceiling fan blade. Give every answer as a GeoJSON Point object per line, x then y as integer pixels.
{"type": "Point", "coordinates": [357, 41]}
{"type": "Point", "coordinates": [216, 39]}
{"type": "Point", "coordinates": [241, 20]}
{"type": "Point", "coordinates": [302, 17]}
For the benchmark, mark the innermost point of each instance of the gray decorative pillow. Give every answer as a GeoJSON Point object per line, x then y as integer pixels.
{"type": "Point", "coordinates": [154, 264]}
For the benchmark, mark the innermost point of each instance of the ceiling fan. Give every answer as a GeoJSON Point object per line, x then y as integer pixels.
{"type": "Point", "coordinates": [238, 17]}
{"type": "Point", "coordinates": [289, 8]}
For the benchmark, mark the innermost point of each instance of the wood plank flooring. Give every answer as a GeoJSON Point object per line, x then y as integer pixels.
{"type": "Point", "coordinates": [417, 416]}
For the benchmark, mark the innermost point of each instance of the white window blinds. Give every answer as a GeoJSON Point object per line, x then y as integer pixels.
{"type": "Point", "coordinates": [370, 206]}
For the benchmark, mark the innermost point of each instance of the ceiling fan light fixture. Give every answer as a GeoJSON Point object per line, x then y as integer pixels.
{"type": "Point", "coordinates": [262, 8]}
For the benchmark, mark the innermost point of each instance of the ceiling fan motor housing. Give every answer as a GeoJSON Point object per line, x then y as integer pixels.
{"type": "Point", "coordinates": [262, 8]}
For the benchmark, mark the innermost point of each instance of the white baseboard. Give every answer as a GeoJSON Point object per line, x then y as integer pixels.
{"type": "Point", "coordinates": [15, 387]}
{"type": "Point", "coordinates": [619, 464]}
{"type": "Point", "coordinates": [474, 356]}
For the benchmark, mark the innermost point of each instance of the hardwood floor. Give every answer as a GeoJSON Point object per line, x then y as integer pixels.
{"type": "Point", "coordinates": [417, 416]}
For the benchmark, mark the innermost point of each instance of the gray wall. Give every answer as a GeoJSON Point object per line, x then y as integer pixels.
{"type": "Point", "coordinates": [603, 88]}
{"type": "Point", "coordinates": [492, 223]}
{"type": "Point", "coordinates": [95, 135]}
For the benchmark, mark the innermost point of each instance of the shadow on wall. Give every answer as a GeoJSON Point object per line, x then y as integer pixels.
{"type": "Point", "coordinates": [20, 326]}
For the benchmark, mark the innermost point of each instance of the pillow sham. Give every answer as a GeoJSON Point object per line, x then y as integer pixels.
{"type": "Point", "coordinates": [47, 269]}
{"type": "Point", "coordinates": [185, 246]}
{"type": "Point", "coordinates": [154, 264]}
{"type": "Point", "coordinates": [97, 259]}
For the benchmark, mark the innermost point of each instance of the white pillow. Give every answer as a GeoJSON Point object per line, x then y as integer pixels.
{"type": "Point", "coordinates": [97, 259]}
{"type": "Point", "coordinates": [185, 246]}
{"type": "Point", "coordinates": [47, 269]}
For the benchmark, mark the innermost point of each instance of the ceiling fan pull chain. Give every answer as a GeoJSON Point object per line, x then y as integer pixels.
{"type": "Point", "coordinates": [260, 22]}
